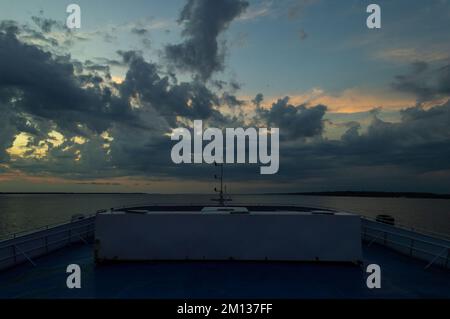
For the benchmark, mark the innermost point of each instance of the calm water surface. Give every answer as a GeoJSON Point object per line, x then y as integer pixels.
{"type": "Point", "coordinates": [28, 211]}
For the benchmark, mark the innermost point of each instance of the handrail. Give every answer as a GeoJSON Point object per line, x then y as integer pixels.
{"type": "Point", "coordinates": [40, 237]}
{"type": "Point", "coordinates": [404, 245]}
{"type": "Point", "coordinates": [418, 230]}
{"type": "Point", "coordinates": [29, 231]}
{"type": "Point", "coordinates": [412, 247]}
{"type": "Point", "coordinates": [440, 255]}
{"type": "Point", "coordinates": [42, 246]}
{"type": "Point", "coordinates": [406, 236]}
{"type": "Point", "coordinates": [24, 253]}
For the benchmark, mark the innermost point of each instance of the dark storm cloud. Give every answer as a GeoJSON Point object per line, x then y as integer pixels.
{"type": "Point", "coordinates": [235, 86]}
{"type": "Point", "coordinates": [8, 129]}
{"type": "Point", "coordinates": [74, 98]}
{"type": "Point", "coordinates": [420, 141]}
{"type": "Point", "coordinates": [295, 121]}
{"type": "Point", "coordinates": [192, 100]}
{"type": "Point", "coordinates": [203, 22]}
{"type": "Point", "coordinates": [9, 26]}
{"type": "Point", "coordinates": [140, 146]}
{"type": "Point", "coordinates": [411, 154]}
{"type": "Point", "coordinates": [426, 82]}
{"type": "Point", "coordinates": [46, 86]}
{"type": "Point", "coordinates": [258, 99]}
{"type": "Point", "coordinates": [352, 132]}
{"type": "Point", "coordinates": [231, 100]}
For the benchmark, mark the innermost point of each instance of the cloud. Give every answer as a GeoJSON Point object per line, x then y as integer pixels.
{"type": "Point", "coordinates": [71, 120]}
{"type": "Point", "coordinates": [47, 87]}
{"type": "Point", "coordinates": [231, 100]}
{"type": "Point", "coordinates": [351, 100]}
{"type": "Point", "coordinates": [411, 55]}
{"type": "Point", "coordinates": [192, 100]}
{"type": "Point", "coordinates": [420, 140]}
{"type": "Point", "coordinates": [294, 121]}
{"type": "Point", "coordinates": [425, 82]}
{"type": "Point", "coordinates": [203, 21]}
{"type": "Point", "coordinates": [47, 25]}
{"type": "Point", "coordinates": [387, 156]}
{"type": "Point", "coordinates": [259, 98]}
{"type": "Point", "coordinates": [41, 92]}
{"type": "Point", "coordinates": [255, 12]}
{"type": "Point", "coordinates": [9, 27]}
{"type": "Point", "coordinates": [50, 35]}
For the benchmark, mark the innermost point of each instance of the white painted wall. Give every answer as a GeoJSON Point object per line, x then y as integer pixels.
{"type": "Point", "coordinates": [284, 236]}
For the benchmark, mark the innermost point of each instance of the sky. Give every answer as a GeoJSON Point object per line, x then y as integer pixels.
{"type": "Point", "coordinates": [92, 109]}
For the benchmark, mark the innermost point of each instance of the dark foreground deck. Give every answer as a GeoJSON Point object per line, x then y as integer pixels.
{"type": "Point", "coordinates": [402, 277]}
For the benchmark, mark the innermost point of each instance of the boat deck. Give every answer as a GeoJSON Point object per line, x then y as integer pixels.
{"type": "Point", "coordinates": [402, 277]}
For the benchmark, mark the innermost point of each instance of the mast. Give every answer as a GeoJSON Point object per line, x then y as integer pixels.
{"type": "Point", "coordinates": [221, 200]}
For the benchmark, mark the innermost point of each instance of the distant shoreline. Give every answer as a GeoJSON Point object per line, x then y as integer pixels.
{"type": "Point", "coordinates": [372, 194]}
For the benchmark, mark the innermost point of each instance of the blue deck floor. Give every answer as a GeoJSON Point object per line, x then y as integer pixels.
{"type": "Point", "coordinates": [402, 277]}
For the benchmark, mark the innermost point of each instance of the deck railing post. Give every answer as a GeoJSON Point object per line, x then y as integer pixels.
{"type": "Point", "coordinates": [448, 257]}
{"type": "Point", "coordinates": [25, 255]}
{"type": "Point", "coordinates": [46, 239]}
{"type": "Point", "coordinates": [440, 255]}
{"type": "Point", "coordinates": [411, 248]}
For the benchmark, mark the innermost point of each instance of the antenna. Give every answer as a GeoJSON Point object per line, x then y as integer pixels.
{"type": "Point", "coordinates": [221, 198]}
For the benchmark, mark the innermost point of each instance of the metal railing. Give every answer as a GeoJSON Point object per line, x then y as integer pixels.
{"type": "Point", "coordinates": [24, 232]}
{"type": "Point", "coordinates": [41, 242]}
{"type": "Point", "coordinates": [432, 250]}
{"type": "Point", "coordinates": [407, 227]}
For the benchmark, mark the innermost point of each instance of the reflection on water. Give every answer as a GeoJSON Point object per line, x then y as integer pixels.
{"type": "Point", "coordinates": [28, 211]}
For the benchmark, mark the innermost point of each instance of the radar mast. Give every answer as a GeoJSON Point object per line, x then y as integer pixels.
{"type": "Point", "coordinates": [222, 194]}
